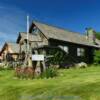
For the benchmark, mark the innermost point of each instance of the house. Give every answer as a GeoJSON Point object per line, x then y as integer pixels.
{"type": "Point", "coordinates": [69, 47]}
{"type": "Point", "coordinates": [10, 51]}
{"type": "Point", "coordinates": [22, 41]}
{"type": "Point", "coordinates": [1, 58]}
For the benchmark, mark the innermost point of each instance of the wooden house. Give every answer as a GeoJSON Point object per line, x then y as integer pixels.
{"type": "Point", "coordinates": [10, 51]}
{"type": "Point", "coordinates": [44, 38]}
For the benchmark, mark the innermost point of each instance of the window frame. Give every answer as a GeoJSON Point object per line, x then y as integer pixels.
{"type": "Point", "coordinates": [80, 52]}
{"type": "Point", "coordinates": [65, 48]}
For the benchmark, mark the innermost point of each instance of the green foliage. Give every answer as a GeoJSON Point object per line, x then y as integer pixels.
{"type": "Point", "coordinates": [98, 35]}
{"type": "Point", "coordinates": [97, 57]}
{"type": "Point", "coordinates": [5, 68]}
{"type": "Point", "coordinates": [29, 73]}
{"type": "Point", "coordinates": [58, 56]}
{"type": "Point", "coordinates": [49, 73]}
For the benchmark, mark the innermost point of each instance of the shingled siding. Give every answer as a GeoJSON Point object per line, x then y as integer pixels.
{"type": "Point", "coordinates": [89, 54]}
{"type": "Point", "coordinates": [72, 51]}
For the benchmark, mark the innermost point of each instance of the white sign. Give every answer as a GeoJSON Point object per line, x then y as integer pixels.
{"type": "Point", "coordinates": [37, 57]}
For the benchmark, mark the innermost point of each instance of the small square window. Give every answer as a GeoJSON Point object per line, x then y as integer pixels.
{"type": "Point", "coordinates": [80, 52]}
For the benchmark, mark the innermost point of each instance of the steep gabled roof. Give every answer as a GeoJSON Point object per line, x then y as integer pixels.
{"type": "Point", "coordinates": [52, 32]}
{"type": "Point", "coordinates": [14, 47]}
{"type": "Point", "coordinates": [23, 36]}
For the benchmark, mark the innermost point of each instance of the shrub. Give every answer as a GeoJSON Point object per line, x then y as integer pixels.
{"type": "Point", "coordinates": [26, 72]}
{"type": "Point", "coordinates": [49, 73]}
{"type": "Point", "coordinates": [97, 57]}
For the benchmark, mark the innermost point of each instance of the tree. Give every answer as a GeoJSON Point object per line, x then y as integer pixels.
{"type": "Point", "coordinates": [97, 52]}
{"type": "Point", "coordinates": [97, 57]}
{"type": "Point", "coordinates": [98, 35]}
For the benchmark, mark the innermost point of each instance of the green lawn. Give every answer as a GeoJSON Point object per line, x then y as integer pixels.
{"type": "Point", "coordinates": [72, 84]}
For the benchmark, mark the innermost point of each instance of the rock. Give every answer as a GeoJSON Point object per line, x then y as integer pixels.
{"type": "Point", "coordinates": [81, 65]}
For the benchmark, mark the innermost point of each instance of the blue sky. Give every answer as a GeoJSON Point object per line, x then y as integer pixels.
{"type": "Point", "coordinates": [73, 15]}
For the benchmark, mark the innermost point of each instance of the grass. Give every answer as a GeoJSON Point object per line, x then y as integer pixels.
{"type": "Point", "coordinates": [72, 84]}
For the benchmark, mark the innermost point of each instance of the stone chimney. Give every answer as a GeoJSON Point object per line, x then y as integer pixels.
{"type": "Point", "coordinates": [90, 35]}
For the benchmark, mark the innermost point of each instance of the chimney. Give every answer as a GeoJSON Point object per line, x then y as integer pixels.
{"type": "Point", "coordinates": [90, 35]}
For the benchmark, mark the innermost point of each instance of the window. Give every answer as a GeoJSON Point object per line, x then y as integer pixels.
{"type": "Point", "coordinates": [80, 52]}
{"type": "Point", "coordinates": [65, 48]}
{"type": "Point", "coordinates": [35, 30]}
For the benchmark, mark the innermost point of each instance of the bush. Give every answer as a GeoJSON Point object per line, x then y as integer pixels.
{"type": "Point", "coordinates": [26, 72]}
{"type": "Point", "coordinates": [49, 73]}
{"type": "Point", "coordinates": [97, 57]}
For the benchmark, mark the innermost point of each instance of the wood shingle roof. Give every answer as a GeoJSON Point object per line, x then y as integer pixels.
{"type": "Point", "coordinates": [52, 32]}
{"type": "Point", "coordinates": [14, 47]}
{"type": "Point", "coordinates": [23, 36]}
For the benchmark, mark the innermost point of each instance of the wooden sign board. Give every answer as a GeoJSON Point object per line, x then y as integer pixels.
{"type": "Point", "coordinates": [37, 57]}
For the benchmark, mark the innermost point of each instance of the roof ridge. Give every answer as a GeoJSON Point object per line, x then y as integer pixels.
{"type": "Point", "coordinates": [58, 27]}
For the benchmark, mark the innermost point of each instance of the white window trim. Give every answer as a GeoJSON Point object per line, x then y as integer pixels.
{"type": "Point", "coordinates": [80, 52]}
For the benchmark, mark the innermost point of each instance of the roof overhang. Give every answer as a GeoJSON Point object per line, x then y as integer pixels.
{"type": "Point", "coordinates": [79, 44]}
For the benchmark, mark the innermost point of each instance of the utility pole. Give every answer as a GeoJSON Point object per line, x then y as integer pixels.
{"type": "Point", "coordinates": [27, 34]}
{"type": "Point", "coordinates": [28, 54]}
{"type": "Point", "coordinates": [27, 45]}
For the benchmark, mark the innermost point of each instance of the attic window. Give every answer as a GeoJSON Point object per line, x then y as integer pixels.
{"type": "Point", "coordinates": [80, 52]}
{"type": "Point", "coordinates": [35, 30]}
